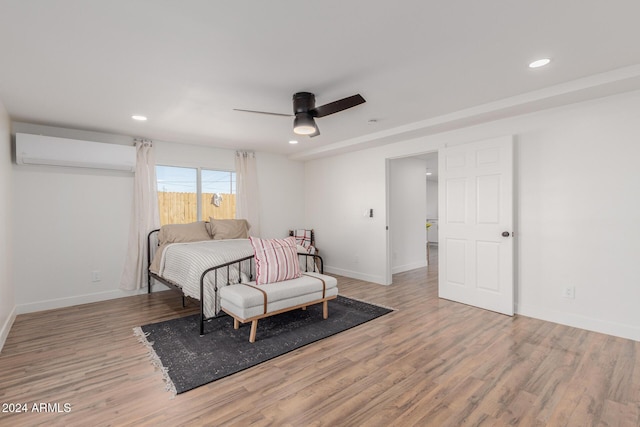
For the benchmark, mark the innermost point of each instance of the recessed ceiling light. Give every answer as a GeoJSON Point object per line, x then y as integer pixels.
{"type": "Point", "coordinates": [539, 63]}
{"type": "Point", "coordinates": [293, 141]}
{"type": "Point", "coordinates": [139, 118]}
{"type": "Point", "coordinates": [429, 173]}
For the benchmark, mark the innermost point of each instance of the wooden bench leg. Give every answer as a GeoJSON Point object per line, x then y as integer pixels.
{"type": "Point", "coordinates": [236, 324]}
{"type": "Point", "coordinates": [254, 328]}
{"type": "Point", "coordinates": [325, 309]}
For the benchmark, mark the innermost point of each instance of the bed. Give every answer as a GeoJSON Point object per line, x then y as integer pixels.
{"type": "Point", "coordinates": [199, 258]}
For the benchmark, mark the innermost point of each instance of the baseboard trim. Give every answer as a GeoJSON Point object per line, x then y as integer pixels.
{"type": "Point", "coordinates": [6, 327]}
{"type": "Point", "coordinates": [410, 266]}
{"type": "Point", "coordinates": [355, 275]}
{"type": "Point", "coordinates": [50, 304]}
{"type": "Point", "coordinates": [583, 322]}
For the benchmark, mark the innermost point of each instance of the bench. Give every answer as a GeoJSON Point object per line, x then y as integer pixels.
{"type": "Point", "coordinates": [248, 302]}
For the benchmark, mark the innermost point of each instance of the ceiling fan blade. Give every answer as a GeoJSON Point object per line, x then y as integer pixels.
{"type": "Point", "coordinates": [336, 106]}
{"type": "Point", "coordinates": [263, 112]}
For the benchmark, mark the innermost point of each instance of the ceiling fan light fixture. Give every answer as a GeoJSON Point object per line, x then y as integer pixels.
{"type": "Point", "coordinates": [305, 111]}
{"type": "Point", "coordinates": [303, 124]}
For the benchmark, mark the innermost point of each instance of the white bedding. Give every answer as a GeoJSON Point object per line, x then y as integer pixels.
{"type": "Point", "coordinates": [183, 264]}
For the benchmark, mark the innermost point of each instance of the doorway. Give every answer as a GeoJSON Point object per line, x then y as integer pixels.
{"type": "Point", "coordinates": [412, 211]}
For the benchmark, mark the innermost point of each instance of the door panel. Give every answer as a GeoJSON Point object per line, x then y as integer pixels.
{"type": "Point", "coordinates": [476, 207]}
{"type": "Point", "coordinates": [456, 261]}
{"type": "Point", "coordinates": [457, 200]}
{"type": "Point", "coordinates": [487, 265]}
{"type": "Point", "coordinates": [488, 199]}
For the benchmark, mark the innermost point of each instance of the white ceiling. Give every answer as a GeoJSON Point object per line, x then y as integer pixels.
{"type": "Point", "coordinates": [422, 65]}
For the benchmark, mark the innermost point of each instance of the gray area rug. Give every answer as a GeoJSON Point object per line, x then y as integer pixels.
{"type": "Point", "coordinates": [189, 360]}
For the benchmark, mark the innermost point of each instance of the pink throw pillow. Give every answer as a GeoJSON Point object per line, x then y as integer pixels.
{"type": "Point", "coordinates": [276, 259]}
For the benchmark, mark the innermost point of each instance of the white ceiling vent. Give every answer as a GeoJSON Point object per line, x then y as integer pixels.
{"type": "Point", "coordinates": [52, 151]}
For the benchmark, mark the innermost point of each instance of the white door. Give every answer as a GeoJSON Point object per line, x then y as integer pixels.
{"type": "Point", "coordinates": [475, 247]}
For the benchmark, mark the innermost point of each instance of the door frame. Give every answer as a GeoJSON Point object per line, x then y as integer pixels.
{"type": "Point", "coordinates": [389, 231]}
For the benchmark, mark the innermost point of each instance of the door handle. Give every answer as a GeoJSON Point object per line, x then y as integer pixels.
{"type": "Point", "coordinates": [505, 234]}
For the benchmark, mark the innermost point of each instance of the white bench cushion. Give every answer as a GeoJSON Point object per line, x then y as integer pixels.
{"type": "Point", "coordinates": [247, 302]}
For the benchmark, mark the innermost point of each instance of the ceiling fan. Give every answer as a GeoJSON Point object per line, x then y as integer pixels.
{"type": "Point", "coordinates": [305, 111]}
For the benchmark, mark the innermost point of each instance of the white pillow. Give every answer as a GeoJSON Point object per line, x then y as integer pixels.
{"type": "Point", "coordinates": [276, 259]}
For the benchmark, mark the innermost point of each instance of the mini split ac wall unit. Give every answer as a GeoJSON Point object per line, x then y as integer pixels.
{"type": "Point", "coordinates": [52, 151]}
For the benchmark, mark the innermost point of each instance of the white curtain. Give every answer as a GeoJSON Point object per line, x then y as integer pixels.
{"type": "Point", "coordinates": [247, 200]}
{"type": "Point", "coordinates": [144, 217]}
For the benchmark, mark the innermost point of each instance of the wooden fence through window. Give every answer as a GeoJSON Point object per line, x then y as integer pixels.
{"type": "Point", "coordinates": [181, 208]}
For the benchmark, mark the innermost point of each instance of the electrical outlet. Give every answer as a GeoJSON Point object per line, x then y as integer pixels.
{"type": "Point", "coordinates": [569, 292]}
{"type": "Point", "coordinates": [95, 276]}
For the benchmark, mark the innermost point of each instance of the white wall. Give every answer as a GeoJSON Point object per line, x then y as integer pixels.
{"type": "Point", "coordinates": [576, 201]}
{"type": "Point", "coordinates": [281, 186]}
{"type": "Point", "coordinates": [578, 210]}
{"type": "Point", "coordinates": [69, 222]}
{"type": "Point", "coordinates": [338, 190]}
{"type": "Point", "coordinates": [407, 213]}
{"type": "Point", "coordinates": [187, 155]}
{"type": "Point", "coordinates": [7, 297]}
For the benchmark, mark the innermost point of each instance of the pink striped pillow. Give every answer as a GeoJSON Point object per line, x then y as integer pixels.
{"type": "Point", "coordinates": [276, 259]}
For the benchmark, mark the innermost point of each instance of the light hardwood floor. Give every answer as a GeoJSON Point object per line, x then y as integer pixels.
{"type": "Point", "coordinates": [430, 363]}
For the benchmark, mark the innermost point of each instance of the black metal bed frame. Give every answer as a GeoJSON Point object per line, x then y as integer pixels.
{"type": "Point", "coordinates": [317, 259]}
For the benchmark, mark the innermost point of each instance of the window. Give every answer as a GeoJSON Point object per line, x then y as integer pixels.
{"type": "Point", "coordinates": [218, 194]}
{"type": "Point", "coordinates": [194, 194]}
